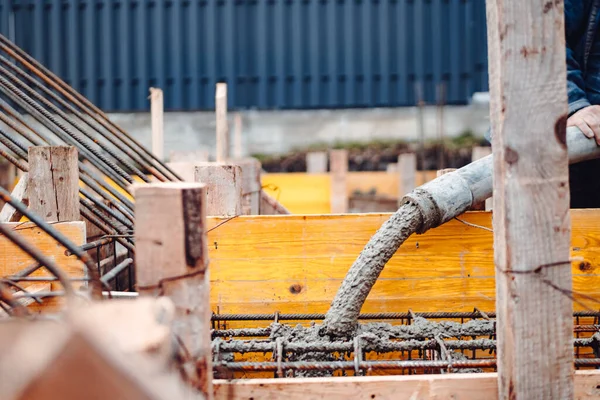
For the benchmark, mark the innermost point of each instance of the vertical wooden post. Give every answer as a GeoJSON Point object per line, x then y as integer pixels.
{"type": "Point", "coordinates": [316, 162]}
{"type": "Point", "coordinates": [221, 118]}
{"type": "Point", "coordinates": [238, 147]}
{"type": "Point", "coordinates": [172, 260]}
{"type": "Point", "coordinates": [339, 172]}
{"type": "Point", "coordinates": [478, 153]}
{"type": "Point", "coordinates": [407, 174]}
{"type": "Point", "coordinates": [251, 185]}
{"type": "Point", "coordinates": [531, 199]}
{"type": "Point", "coordinates": [156, 111]}
{"type": "Point", "coordinates": [224, 187]}
{"type": "Point", "coordinates": [54, 183]}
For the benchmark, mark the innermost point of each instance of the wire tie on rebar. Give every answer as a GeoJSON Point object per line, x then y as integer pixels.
{"type": "Point", "coordinates": [217, 350]}
{"type": "Point", "coordinates": [483, 314]}
{"type": "Point", "coordinates": [276, 317]}
{"type": "Point", "coordinates": [412, 315]}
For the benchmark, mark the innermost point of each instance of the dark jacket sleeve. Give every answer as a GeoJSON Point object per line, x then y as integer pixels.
{"type": "Point", "coordinates": [575, 30]}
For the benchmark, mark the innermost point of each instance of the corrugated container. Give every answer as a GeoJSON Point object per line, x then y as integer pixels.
{"type": "Point", "coordinates": [274, 54]}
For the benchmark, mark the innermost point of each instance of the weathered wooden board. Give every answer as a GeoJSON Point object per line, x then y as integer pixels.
{"type": "Point", "coordinates": [13, 259]}
{"type": "Point", "coordinates": [452, 386]}
{"type": "Point", "coordinates": [311, 193]}
{"type": "Point", "coordinates": [296, 263]}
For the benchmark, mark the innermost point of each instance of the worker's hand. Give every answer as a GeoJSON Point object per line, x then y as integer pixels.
{"type": "Point", "coordinates": [588, 121]}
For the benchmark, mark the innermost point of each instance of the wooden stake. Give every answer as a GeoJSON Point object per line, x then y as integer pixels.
{"type": "Point", "coordinates": [157, 110]}
{"type": "Point", "coordinates": [222, 127]}
{"type": "Point", "coordinates": [224, 187]}
{"type": "Point", "coordinates": [339, 172]}
{"type": "Point", "coordinates": [316, 162]}
{"type": "Point", "coordinates": [54, 182]}
{"type": "Point", "coordinates": [407, 174]}
{"type": "Point", "coordinates": [532, 224]}
{"type": "Point", "coordinates": [9, 213]}
{"type": "Point", "coordinates": [172, 260]}
{"type": "Point", "coordinates": [238, 148]}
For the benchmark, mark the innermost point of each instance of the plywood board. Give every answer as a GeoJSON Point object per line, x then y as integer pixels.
{"type": "Point", "coordinates": [296, 263]}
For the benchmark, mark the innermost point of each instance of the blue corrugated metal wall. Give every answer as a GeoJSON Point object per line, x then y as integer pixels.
{"type": "Point", "coordinates": [272, 53]}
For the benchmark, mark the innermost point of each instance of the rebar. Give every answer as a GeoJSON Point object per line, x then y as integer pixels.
{"type": "Point", "coordinates": [84, 104]}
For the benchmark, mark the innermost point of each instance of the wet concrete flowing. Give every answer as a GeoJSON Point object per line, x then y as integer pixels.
{"type": "Point", "coordinates": [342, 318]}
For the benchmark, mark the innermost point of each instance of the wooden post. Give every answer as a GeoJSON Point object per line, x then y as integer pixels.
{"type": "Point", "coordinates": [222, 127]}
{"type": "Point", "coordinates": [172, 260]}
{"type": "Point", "coordinates": [339, 172]}
{"type": "Point", "coordinates": [532, 226]}
{"type": "Point", "coordinates": [316, 162]}
{"type": "Point", "coordinates": [157, 110]}
{"type": "Point", "coordinates": [224, 187]}
{"type": "Point", "coordinates": [478, 153]}
{"type": "Point", "coordinates": [238, 147]}
{"type": "Point", "coordinates": [407, 174]}
{"type": "Point", "coordinates": [251, 185]}
{"type": "Point", "coordinates": [54, 183]}
{"type": "Point", "coordinates": [9, 213]}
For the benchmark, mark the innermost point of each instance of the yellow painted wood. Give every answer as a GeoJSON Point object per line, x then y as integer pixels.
{"type": "Point", "coordinates": [13, 259]}
{"type": "Point", "coordinates": [311, 193]}
{"type": "Point", "coordinates": [299, 192]}
{"type": "Point", "coordinates": [296, 263]}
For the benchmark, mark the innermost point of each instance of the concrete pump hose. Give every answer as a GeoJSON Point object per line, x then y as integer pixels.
{"type": "Point", "coordinates": [427, 207]}
{"type": "Point", "coordinates": [450, 195]}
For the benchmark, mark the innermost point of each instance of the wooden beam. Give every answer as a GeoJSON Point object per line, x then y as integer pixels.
{"type": "Point", "coordinates": [172, 260]}
{"type": "Point", "coordinates": [416, 387]}
{"type": "Point", "coordinates": [407, 174]}
{"type": "Point", "coordinates": [251, 186]}
{"type": "Point", "coordinates": [339, 172]}
{"type": "Point", "coordinates": [116, 350]}
{"type": "Point", "coordinates": [9, 213]}
{"type": "Point", "coordinates": [238, 147]}
{"type": "Point", "coordinates": [295, 263]}
{"type": "Point", "coordinates": [54, 183]}
{"type": "Point", "coordinates": [222, 126]}
{"type": "Point", "coordinates": [158, 127]}
{"type": "Point", "coordinates": [224, 187]}
{"type": "Point", "coordinates": [532, 227]}
{"type": "Point", "coordinates": [316, 162]}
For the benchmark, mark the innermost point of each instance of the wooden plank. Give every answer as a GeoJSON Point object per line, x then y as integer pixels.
{"type": "Point", "coordinates": [531, 199]}
{"type": "Point", "coordinates": [221, 124]}
{"type": "Point", "coordinates": [13, 259]}
{"type": "Point", "coordinates": [316, 162]}
{"type": "Point", "coordinates": [224, 187]}
{"type": "Point", "coordinates": [339, 172]}
{"type": "Point", "coordinates": [311, 193]}
{"type": "Point", "coordinates": [54, 182]}
{"type": "Point", "coordinates": [172, 261]}
{"type": "Point", "coordinates": [416, 387]}
{"type": "Point", "coordinates": [9, 213]}
{"type": "Point", "coordinates": [158, 126]}
{"type": "Point", "coordinates": [407, 174]}
{"type": "Point", "coordinates": [296, 263]}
